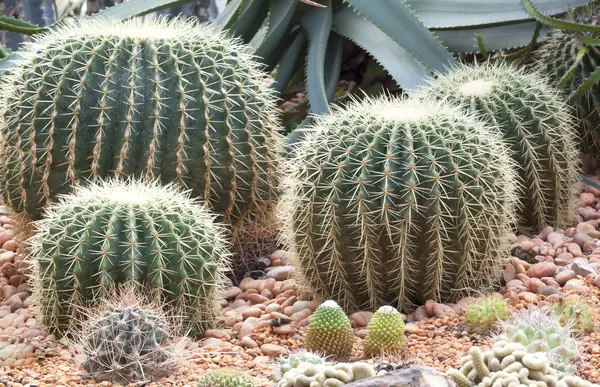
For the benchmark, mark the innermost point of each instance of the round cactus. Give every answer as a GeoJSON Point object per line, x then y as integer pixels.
{"type": "Point", "coordinates": [295, 359]}
{"type": "Point", "coordinates": [578, 315]}
{"type": "Point", "coordinates": [329, 331]}
{"type": "Point", "coordinates": [225, 378]}
{"type": "Point", "coordinates": [485, 313]}
{"type": "Point", "coordinates": [535, 122]}
{"type": "Point", "coordinates": [148, 98]}
{"type": "Point", "coordinates": [136, 234]}
{"type": "Point", "coordinates": [392, 201]}
{"type": "Point", "coordinates": [557, 58]}
{"type": "Point", "coordinates": [385, 333]}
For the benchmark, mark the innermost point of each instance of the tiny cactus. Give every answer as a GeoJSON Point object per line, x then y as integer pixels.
{"type": "Point", "coordinates": [578, 315]}
{"type": "Point", "coordinates": [485, 313]}
{"type": "Point", "coordinates": [297, 358]}
{"type": "Point", "coordinates": [225, 378]}
{"type": "Point", "coordinates": [326, 375]}
{"type": "Point", "coordinates": [385, 333]}
{"type": "Point", "coordinates": [137, 234]}
{"type": "Point", "coordinates": [394, 202]}
{"type": "Point", "coordinates": [537, 124]}
{"type": "Point", "coordinates": [330, 332]}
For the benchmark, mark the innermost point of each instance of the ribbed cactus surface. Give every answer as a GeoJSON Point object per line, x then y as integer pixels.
{"type": "Point", "coordinates": [557, 58]}
{"type": "Point", "coordinates": [140, 235]}
{"type": "Point", "coordinates": [330, 332]}
{"type": "Point", "coordinates": [393, 201]}
{"type": "Point", "coordinates": [535, 122]}
{"type": "Point", "coordinates": [385, 333]}
{"type": "Point", "coordinates": [149, 98]}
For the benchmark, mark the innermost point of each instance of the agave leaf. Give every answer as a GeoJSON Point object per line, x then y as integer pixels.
{"type": "Point", "coordinates": [7, 63]}
{"type": "Point", "coordinates": [133, 8]}
{"type": "Point", "coordinates": [19, 26]}
{"type": "Point", "coordinates": [333, 64]}
{"type": "Point", "coordinates": [402, 66]}
{"type": "Point", "coordinates": [555, 23]}
{"type": "Point", "coordinates": [252, 15]}
{"type": "Point", "coordinates": [229, 14]}
{"type": "Point", "coordinates": [590, 82]}
{"type": "Point", "coordinates": [280, 16]}
{"type": "Point", "coordinates": [287, 65]}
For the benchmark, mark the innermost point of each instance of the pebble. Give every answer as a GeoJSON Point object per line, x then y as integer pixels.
{"type": "Point", "coordinates": [281, 273]}
{"type": "Point", "coordinates": [231, 293]}
{"type": "Point", "coordinates": [542, 269]}
{"type": "Point", "coordinates": [6, 257]}
{"type": "Point", "coordinates": [361, 319]}
{"type": "Point", "coordinates": [575, 285]}
{"type": "Point", "coordinates": [441, 310]}
{"type": "Point", "coordinates": [272, 349]}
{"type": "Point", "coordinates": [565, 276]}
{"type": "Point", "coordinates": [217, 334]}
{"type": "Point", "coordinates": [581, 267]}
{"type": "Point", "coordinates": [251, 312]}
{"type": "Point", "coordinates": [248, 342]}
{"type": "Point", "coordinates": [283, 329]}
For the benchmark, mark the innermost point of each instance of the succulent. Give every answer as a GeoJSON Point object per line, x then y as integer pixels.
{"type": "Point", "coordinates": [225, 378]}
{"type": "Point", "coordinates": [385, 333]}
{"type": "Point", "coordinates": [148, 98]}
{"type": "Point", "coordinates": [326, 375]}
{"type": "Point", "coordinates": [140, 235]}
{"type": "Point", "coordinates": [391, 201]}
{"type": "Point", "coordinates": [540, 330]}
{"type": "Point", "coordinates": [125, 341]}
{"type": "Point", "coordinates": [558, 59]}
{"type": "Point", "coordinates": [329, 331]}
{"type": "Point", "coordinates": [536, 123]}
{"type": "Point", "coordinates": [485, 313]}
{"type": "Point", "coordinates": [509, 364]}
{"type": "Point", "coordinates": [578, 315]}
{"type": "Point", "coordinates": [297, 358]}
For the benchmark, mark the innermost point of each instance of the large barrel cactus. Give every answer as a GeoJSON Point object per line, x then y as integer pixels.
{"type": "Point", "coordinates": [394, 201]}
{"type": "Point", "coordinates": [558, 59]}
{"type": "Point", "coordinates": [150, 98]}
{"type": "Point", "coordinates": [142, 236]}
{"type": "Point", "coordinates": [535, 122]}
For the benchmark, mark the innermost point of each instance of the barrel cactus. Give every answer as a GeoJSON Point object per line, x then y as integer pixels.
{"type": "Point", "coordinates": [393, 201]}
{"type": "Point", "coordinates": [577, 314]}
{"type": "Point", "coordinates": [557, 58]}
{"type": "Point", "coordinates": [485, 313]}
{"type": "Point", "coordinates": [139, 235]}
{"type": "Point", "coordinates": [385, 333]}
{"type": "Point", "coordinates": [149, 98]}
{"type": "Point", "coordinates": [330, 332]}
{"type": "Point", "coordinates": [535, 122]}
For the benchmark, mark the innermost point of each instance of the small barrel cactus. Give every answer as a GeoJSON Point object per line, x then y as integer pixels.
{"type": "Point", "coordinates": [124, 341]}
{"type": "Point", "coordinates": [394, 202]}
{"type": "Point", "coordinates": [557, 58]}
{"type": "Point", "coordinates": [485, 313]}
{"type": "Point", "coordinates": [578, 315]}
{"type": "Point", "coordinates": [540, 330]}
{"type": "Point", "coordinates": [225, 378]}
{"type": "Point", "coordinates": [535, 122]}
{"type": "Point", "coordinates": [385, 333]}
{"type": "Point", "coordinates": [144, 97]}
{"type": "Point", "coordinates": [330, 332]}
{"type": "Point", "coordinates": [131, 233]}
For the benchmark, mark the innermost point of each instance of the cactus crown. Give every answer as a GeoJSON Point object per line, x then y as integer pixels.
{"type": "Point", "coordinates": [534, 121]}
{"type": "Point", "coordinates": [397, 201]}
{"type": "Point", "coordinates": [141, 235]}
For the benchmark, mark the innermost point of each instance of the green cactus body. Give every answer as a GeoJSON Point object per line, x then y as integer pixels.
{"type": "Point", "coordinates": [485, 313]}
{"type": "Point", "coordinates": [393, 201]}
{"type": "Point", "coordinates": [329, 331]}
{"type": "Point", "coordinates": [139, 235]}
{"type": "Point", "coordinates": [557, 59]}
{"type": "Point", "coordinates": [225, 378]}
{"type": "Point", "coordinates": [128, 345]}
{"type": "Point", "coordinates": [385, 333]}
{"type": "Point", "coordinates": [535, 122]}
{"type": "Point", "coordinates": [148, 98]}
{"type": "Point", "coordinates": [577, 315]}
{"type": "Point", "coordinates": [295, 359]}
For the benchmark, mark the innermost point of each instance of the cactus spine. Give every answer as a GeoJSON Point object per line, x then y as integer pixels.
{"type": "Point", "coordinates": [137, 234]}
{"type": "Point", "coordinates": [394, 201]}
{"type": "Point", "coordinates": [148, 98]}
{"type": "Point", "coordinates": [385, 333]}
{"type": "Point", "coordinates": [535, 122]}
{"type": "Point", "coordinates": [330, 332]}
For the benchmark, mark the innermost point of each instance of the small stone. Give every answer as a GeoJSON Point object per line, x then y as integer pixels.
{"type": "Point", "coordinates": [273, 308]}
{"type": "Point", "coordinates": [533, 284]}
{"type": "Point", "coordinates": [7, 321]}
{"type": "Point", "coordinates": [442, 310]}
{"type": "Point", "coordinates": [421, 313]}
{"type": "Point", "coordinates": [581, 238]}
{"type": "Point", "coordinates": [284, 256]}
{"type": "Point", "coordinates": [9, 291]}
{"type": "Point", "coordinates": [251, 312]}
{"type": "Point", "coordinates": [411, 328]}
{"type": "Point", "coordinates": [301, 315]}
{"type": "Point", "coordinates": [257, 299]}
{"type": "Point", "coordinates": [6, 257]}
{"type": "Point", "coordinates": [283, 329]}
{"type": "Point", "coordinates": [362, 333]}
{"type": "Point", "coordinates": [231, 293]}
{"type": "Point", "coordinates": [361, 319]}
{"type": "Point", "coordinates": [574, 249]}
{"type": "Point", "coordinates": [587, 199]}
{"type": "Point", "coordinates": [527, 245]}
{"type": "Point", "coordinates": [299, 306]}
{"type": "Point", "coordinates": [548, 291]}
{"type": "Point", "coordinates": [217, 334]}
{"type": "Point", "coordinates": [213, 343]}
{"type": "Point", "coordinates": [247, 327]}
{"type": "Point", "coordinates": [543, 235]}
{"type": "Point", "coordinates": [597, 281]}
{"type": "Point", "coordinates": [5, 236]}
{"type": "Point", "coordinates": [281, 273]}
{"type": "Point", "coordinates": [581, 267]}
{"type": "Point", "coordinates": [576, 285]}
{"type": "Point", "coordinates": [509, 272]}
{"type": "Point", "coordinates": [429, 307]}
{"type": "Point", "coordinates": [271, 349]}
{"type": "Point", "coordinates": [565, 276]}
{"type": "Point", "coordinates": [528, 297]}
{"type": "Point", "coordinates": [249, 283]}
{"type": "Point", "coordinates": [555, 237]}
{"type": "Point", "coordinates": [10, 245]}
{"type": "Point", "coordinates": [588, 229]}
{"type": "Point", "coordinates": [542, 269]}
{"type": "Point", "coordinates": [248, 342]}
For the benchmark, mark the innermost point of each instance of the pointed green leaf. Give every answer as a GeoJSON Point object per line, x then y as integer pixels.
{"type": "Point", "coordinates": [133, 8]}
{"type": "Point", "coordinates": [395, 19]}
{"type": "Point", "coordinates": [587, 181]}
{"type": "Point", "coordinates": [280, 17]}
{"type": "Point", "coordinates": [20, 26]}
{"type": "Point", "coordinates": [229, 14]}
{"type": "Point", "coordinates": [404, 68]}
{"type": "Point", "coordinates": [7, 63]}
{"type": "Point", "coordinates": [252, 16]}
{"type": "Point", "coordinates": [590, 82]}
{"type": "Point", "coordinates": [287, 65]}
{"type": "Point", "coordinates": [333, 64]}
{"type": "Point", "coordinates": [317, 24]}
{"type": "Point", "coordinates": [555, 23]}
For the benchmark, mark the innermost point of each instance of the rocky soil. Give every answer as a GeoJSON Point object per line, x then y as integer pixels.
{"type": "Point", "coordinates": [267, 317]}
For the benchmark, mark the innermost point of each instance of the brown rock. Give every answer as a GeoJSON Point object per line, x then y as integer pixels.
{"type": "Point", "coordinates": [442, 310]}
{"type": "Point", "coordinates": [361, 319]}
{"type": "Point", "coordinates": [533, 284]}
{"type": "Point", "coordinates": [249, 283]}
{"type": "Point", "coordinates": [410, 328]}
{"type": "Point", "coordinates": [576, 285]}
{"type": "Point", "coordinates": [257, 299]}
{"type": "Point", "coordinates": [217, 334]}
{"type": "Point", "coordinates": [421, 313]}
{"type": "Point", "coordinates": [574, 249]}
{"type": "Point", "coordinates": [509, 272]}
{"type": "Point", "coordinates": [274, 307]}
{"type": "Point", "coordinates": [587, 199]}
{"type": "Point", "coordinates": [9, 291]}
{"type": "Point", "coordinates": [542, 269]}
{"type": "Point", "coordinates": [429, 307]}
{"type": "Point", "coordinates": [248, 342]}
{"type": "Point", "coordinates": [301, 315]}
{"type": "Point", "coordinates": [283, 330]}
{"type": "Point", "coordinates": [528, 297]}
{"type": "Point", "coordinates": [548, 291]}
{"type": "Point", "coordinates": [555, 237]}
{"type": "Point", "coordinates": [251, 312]}
{"type": "Point", "coordinates": [271, 349]}
{"type": "Point", "coordinates": [362, 333]}
{"type": "Point", "coordinates": [5, 236]}
{"type": "Point", "coordinates": [281, 273]}
{"type": "Point", "coordinates": [10, 245]}
{"type": "Point", "coordinates": [564, 276]}
{"type": "Point", "coordinates": [231, 293]}
{"type": "Point", "coordinates": [213, 343]}
{"type": "Point", "coordinates": [247, 327]}
{"type": "Point", "coordinates": [543, 235]}
{"type": "Point", "coordinates": [6, 257]}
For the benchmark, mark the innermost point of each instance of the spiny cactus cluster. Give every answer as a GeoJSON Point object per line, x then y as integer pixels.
{"type": "Point", "coordinates": [126, 341]}
{"type": "Point", "coordinates": [509, 364]}
{"type": "Point", "coordinates": [557, 58]}
{"type": "Point", "coordinates": [330, 332]}
{"type": "Point", "coordinates": [297, 358]}
{"type": "Point", "coordinates": [398, 201]}
{"type": "Point", "coordinates": [307, 374]}
{"type": "Point", "coordinates": [149, 98]}
{"type": "Point", "coordinates": [137, 234]}
{"type": "Point", "coordinates": [225, 378]}
{"type": "Point", "coordinates": [485, 313]}
{"type": "Point", "coordinates": [578, 315]}
{"type": "Point", "coordinates": [385, 333]}
{"type": "Point", "coordinates": [535, 122]}
{"type": "Point", "coordinates": [540, 330]}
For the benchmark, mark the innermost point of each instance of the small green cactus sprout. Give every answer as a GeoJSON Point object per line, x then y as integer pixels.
{"type": "Point", "coordinates": [139, 234]}
{"type": "Point", "coordinates": [485, 313]}
{"type": "Point", "coordinates": [535, 122]}
{"type": "Point", "coordinates": [540, 330]}
{"type": "Point", "coordinates": [126, 341]}
{"type": "Point", "coordinates": [330, 332]}
{"type": "Point", "coordinates": [385, 333]}
{"type": "Point", "coordinates": [225, 378]}
{"type": "Point", "coordinates": [297, 358]}
{"type": "Point", "coordinates": [578, 315]}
